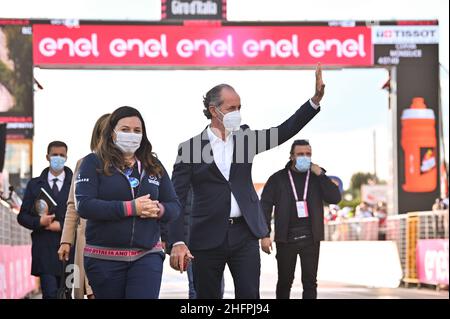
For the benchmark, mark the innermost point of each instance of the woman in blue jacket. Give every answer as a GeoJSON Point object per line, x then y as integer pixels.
{"type": "Point", "coordinates": [125, 193]}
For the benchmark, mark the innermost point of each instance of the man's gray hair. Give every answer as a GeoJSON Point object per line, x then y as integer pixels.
{"type": "Point", "coordinates": [213, 97]}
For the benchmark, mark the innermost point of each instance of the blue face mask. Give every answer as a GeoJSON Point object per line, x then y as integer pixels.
{"type": "Point", "coordinates": [57, 163]}
{"type": "Point", "coordinates": [303, 163]}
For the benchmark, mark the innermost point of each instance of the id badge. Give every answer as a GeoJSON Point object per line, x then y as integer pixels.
{"type": "Point", "coordinates": [302, 209]}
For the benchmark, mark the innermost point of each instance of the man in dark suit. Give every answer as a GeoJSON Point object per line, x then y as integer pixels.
{"type": "Point", "coordinates": [164, 238]}
{"type": "Point", "coordinates": [297, 192]}
{"type": "Point", "coordinates": [47, 225]}
{"type": "Point", "coordinates": [226, 218]}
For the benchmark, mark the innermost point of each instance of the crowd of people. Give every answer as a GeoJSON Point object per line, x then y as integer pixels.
{"type": "Point", "coordinates": [440, 204]}
{"type": "Point", "coordinates": [363, 210]}
{"type": "Point", "coordinates": [369, 210]}
{"type": "Point", "coordinates": [119, 213]}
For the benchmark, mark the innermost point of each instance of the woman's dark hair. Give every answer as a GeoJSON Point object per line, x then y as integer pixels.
{"type": "Point", "coordinates": [213, 97]}
{"type": "Point", "coordinates": [97, 131]}
{"type": "Point", "coordinates": [110, 155]}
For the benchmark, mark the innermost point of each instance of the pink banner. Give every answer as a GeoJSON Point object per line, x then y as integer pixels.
{"type": "Point", "coordinates": [432, 261]}
{"type": "Point", "coordinates": [229, 46]}
{"type": "Point", "coordinates": [15, 269]}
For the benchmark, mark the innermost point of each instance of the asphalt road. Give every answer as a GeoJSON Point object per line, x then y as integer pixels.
{"type": "Point", "coordinates": [175, 285]}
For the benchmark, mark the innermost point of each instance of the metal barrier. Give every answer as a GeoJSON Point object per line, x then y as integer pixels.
{"type": "Point", "coordinates": [11, 233]}
{"type": "Point", "coordinates": [422, 225]}
{"type": "Point", "coordinates": [352, 229]}
{"type": "Point", "coordinates": [405, 230]}
{"type": "Point", "coordinates": [15, 256]}
{"type": "Point", "coordinates": [396, 231]}
{"type": "Point", "coordinates": [412, 227]}
{"type": "Point", "coordinates": [433, 224]}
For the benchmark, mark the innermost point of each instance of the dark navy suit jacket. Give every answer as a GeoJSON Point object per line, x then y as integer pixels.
{"type": "Point", "coordinates": [45, 243]}
{"type": "Point", "coordinates": [195, 167]}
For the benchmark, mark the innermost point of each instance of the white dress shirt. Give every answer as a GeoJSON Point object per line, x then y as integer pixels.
{"type": "Point", "coordinates": [313, 105]}
{"type": "Point", "coordinates": [59, 182]}
{"type": "Point", "coordinates": [223, 156]}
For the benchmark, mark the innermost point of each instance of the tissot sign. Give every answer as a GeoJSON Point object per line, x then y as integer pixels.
{"type": "Point", "coordinates": [422, 34]}
{"type": "Point", "coordinates": [109, 45]}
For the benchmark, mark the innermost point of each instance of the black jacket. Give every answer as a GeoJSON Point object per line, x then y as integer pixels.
{"type": "Point", "coordinates": [195, 167]}
{"type": "Point", "coordinates": [278, 192]}
{"type": "Point", "coordinates": [187, 223]}
{"type": "Point", "coordinates": [45, 243]}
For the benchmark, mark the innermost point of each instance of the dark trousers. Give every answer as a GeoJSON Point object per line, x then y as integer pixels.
{"type": "Point", "coordinates": [49, 286]}
{"type": "Point", "coordinates": [192, 293]}
{"type": "Point", "coordinates": [190, 275]}
{"type": "Point", "coordinates": [240, 251]}
{"type": "Point", "coordinates": [287, 259]}
{"type": "Point", "coordinates": [139, 279]}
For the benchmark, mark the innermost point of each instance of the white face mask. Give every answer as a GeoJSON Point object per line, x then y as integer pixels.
{"type": "Point", "coordinates": [232, 120]}
{"type": "Point", "coordinates": [128, 143]}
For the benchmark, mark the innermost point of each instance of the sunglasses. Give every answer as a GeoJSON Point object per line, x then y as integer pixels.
{"type": "Point", "coordinates": [134, 182]}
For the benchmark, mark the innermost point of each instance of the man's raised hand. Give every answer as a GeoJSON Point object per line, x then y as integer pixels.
{"type": "Point", "coordinates": [320, 86]}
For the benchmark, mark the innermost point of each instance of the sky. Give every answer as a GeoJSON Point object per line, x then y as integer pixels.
{"type": "Point", "coordinates": [341, 135]}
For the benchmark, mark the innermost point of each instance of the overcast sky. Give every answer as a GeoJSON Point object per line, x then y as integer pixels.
{"type": "Point", "coordinates": [341, 135]}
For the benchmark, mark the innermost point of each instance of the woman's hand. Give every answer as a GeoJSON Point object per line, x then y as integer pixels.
{"type": "Point", "coordinates": [150, 209]}
{"type": "Point", "coordinates": [64, 251]}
